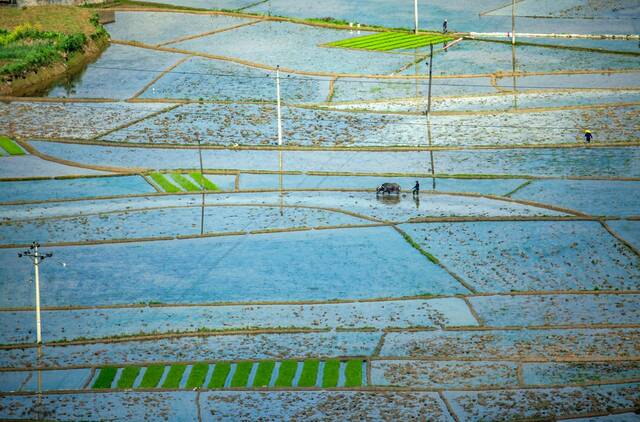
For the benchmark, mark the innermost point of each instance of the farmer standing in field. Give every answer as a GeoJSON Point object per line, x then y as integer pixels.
{"type": "Point", "coordinates": [444, 26]}
{"type": "Point", "coordinates": [416, 189]}
{"type": "Point", "coordinates": [587, 136]}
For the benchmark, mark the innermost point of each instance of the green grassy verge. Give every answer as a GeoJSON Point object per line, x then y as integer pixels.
{"type": "Point", "coordinates": [197, 375]}
{"type": "Point", "coordinates": [241, 376]}
{"type": "Point", "coordinates": [11, 147]}
{"type": "Point", "coordinates": [152, 376]}
{"type": "Point", "coordinates": [263, 374]}
{"type": "Point", "coordinates": [161, 181]}
{"type": "Point", "coordinates": [331, 373]}
{"type": "Point", "coordinates": [286, 373]}
{"type": "Point", "coordinates": [174, 376]}
{"type": "Point", "coordinates": [105, 377]}
{"type": "Point", "coordinates": [203, 181]}
{"type": "Point", "coordinates": [309, 373]}
{"type": "Point", "coordinates": [186, 184]}
{"type": "Point", "coordinates": [220, 373]}
{"type": "Point", "coordinates": [128, 376]}
{"type": "Point", "coordinates": [410, 240]}
{"type": "Point", "coordinates": [353, 373]}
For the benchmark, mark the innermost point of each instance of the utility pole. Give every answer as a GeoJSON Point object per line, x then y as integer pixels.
{"type": "Point", "coordinates": [37, 258]}
{"type": "Point", "coordinates": [278, 103]}
{"type": "Point", "coordinates": [430, 77]}
{"type": "Point", "coordinates": [415, 15]}
{"type": "Point", "coordinates": [201, 184]}
{"type": "Point", "coordinates": [513, 22]}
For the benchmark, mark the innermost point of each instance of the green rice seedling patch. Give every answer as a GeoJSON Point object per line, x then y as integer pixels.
{"type": "Point", "coordinates": [186, 184]}
{"type": "Point", "coordinates": [287, 372]}
{"type": "Point", "coordinates": [203, 181]}
{"type": "Point", "coordinates": [390, 41]}
{"type": "Point", "coordinates": [331, 373]}
{"type": "Point", "coordinates": [105, 377]}
{"type": "Point", "coordinates": [174, 376]}
{"type": "Point", "coordinates": [197, 375]}
{"type": "Point", "coordinates": [152, 376]}
{"type": "Point", "coordinates": [241, 376]}
{"type": "Point", "coordinates": [128, 376]}
{"type": "Point", "coordinates": [10, 146]}
{"type": "Point", "coordinates": [353, 373]}
{"type": "Point", "coordinates": [220, 373]}
{"type": "Point", "coordinates": [263, 374]}
{"type": "Point", "coordinates": [161, 181]}
{"type": "Point", "coordinates": [309, 373]}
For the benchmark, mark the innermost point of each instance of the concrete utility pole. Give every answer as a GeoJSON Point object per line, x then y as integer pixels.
{"type": "Point", "coordinates": [430, 78]}
{"type": "Point", "coordinates": [201, 184]}
{"type": "Point", "coordinates": [37, 258]}
{"type": "Point", "coordinates": [415, 15]}
{"type": "Point", "coordinates": [513, 22]}
{"type": "Point", "coordinates": [278, 101]}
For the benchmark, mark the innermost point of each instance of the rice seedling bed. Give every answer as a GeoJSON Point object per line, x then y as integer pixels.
{"type": "Point", "coordinates": [105, 377]}
{"type": "Point", "coordinates": [390, 41]}
{"type": "Point", "coordinates": [331, 373]}
{"type": "Point", "coordinates": [10, 147]}
{"type": "Point", "coordinates": [241, 375]}
{"type": "Point", "coordinates": [174, 376]}
{"type": "Point", "coordinates": [152, 376]}
{"type": "Point", "coordinates": [128, 377]}
{"type": "Point", "coordinates": [220, 374]}
{"type": "Point", "coordinates": [197, 375]}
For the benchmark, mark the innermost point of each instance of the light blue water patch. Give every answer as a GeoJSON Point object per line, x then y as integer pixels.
{"type": "Point", "coordinates": [594, 197]}
{"type": "Point", "coordinates": [12, 381]}
{"type": "Point", "coordinates": [462, 16]}
{"type": "Point", "coordinates": [253, 124]}
{"type": "Point", "coordinates": [294, 46]}
{"type": "Point", "coordinates": [250, 181]}
{"type": "Point", "coordinates": [601, 44]}
{"type": "Point", "coordinates": [526, 161]}
{"type": "Point", "coordinates": [542, 403]}
{"type": "Point", "coordinates": [175, 406]}
{"type": "Point", "coordinates": [352, 89]}
{"type": "Point", "coordinates": [323, 405]}
{"type": "Point", "coordinates": [216, 270]}
{"type": "Point", "coordinates": [120, 72]}
{"type": "Point", "coordinates": [19, 326]}
{"type": "Point", "coordinates": [511, 344]}
{"type": "Point", "coordinates": [161, 27]}
{"type": "Point", "coordinates": [67, 379]}
{"type": "Point", "coordinates": [141, 373]}
{"type": "Point", "coordinates": [408, 373]}
{"type": "Point", "coordinates": [621, 417]}
{"type": "Point", "coordinates": [168, 222]}
{"type": "Point", "coordinates": [114, 382]}
{"type": "Point", "coordinates": [531, 255]}
{"type": "Point", "coordinates": [185, 376]}
{"type": "Point", "coordinates": [629, 230]}
{"type": "Point", "coordinates": [208, 79]}
{"type": "Point", "coordinates": [571, 9]}
{"type": "Point", "coordinates": [572, 373]}
{"type": "Point", "coordinates": [505, 311]}
{"type": "Point", "coordinates": [32, 166]}
{"type": "Point", "coordinates": [69, 120]}
{"type": "Point", "coordinates": [38, 190]}
{"type": "Point", "coordinates": [201, 348]}
{"type": "Point", "coordinates": [577, 81]}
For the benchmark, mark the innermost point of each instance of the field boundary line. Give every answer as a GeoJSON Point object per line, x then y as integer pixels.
{"type": "Point", "coordinates": [478, 318]}
{"type": "Point", "coordinates": [135, 121]}
{"type": "Point", "coordinates": [448, 406]}
{"type": "Point", "coordinates": [620, 238]}
{"type": "Point", "coordinates": [521, 186]}
{"type": "Point", "coordinates": [198, 410]}
{"type": "Point", "coordinates": [205, 34]}
{"type": "Point", "coordinates": [160, 75]}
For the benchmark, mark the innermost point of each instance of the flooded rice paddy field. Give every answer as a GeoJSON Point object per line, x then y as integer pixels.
{"type": "Point", "coordinates": [507, 289]}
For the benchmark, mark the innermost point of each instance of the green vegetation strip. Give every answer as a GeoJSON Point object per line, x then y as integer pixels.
{"type": "Point", "coordinates": [241, 376]}
{"type": "Point", "coordinates": [197, 375]}
{"type": "Point", "coordinates": [152, 376]}
{"type": "Point", "coordinates": [174, 376]}
{"type": "Point", "coordinates": [286, 373]}
{"type": "Point", "coordinates": [186, 184]}
{"type": "Point", "coordinates": [105, 377]}
{"type": "Point", "coordinates": [161, 181]}
{"type": "Point", "coordinates": [264, 373]}
{"type": "Point", "coordinates": [390, 41]}
{"type": "Point", "coordinates": [309, 373]}
{"type": "Point", "coordinates": [220, 373]}
{"type": "Point", "coordinates": [410, 240]}
{"type": "Point", "coordinates": [203, 181]}
{"type": "Point", "coordinates": [353, 373]}
{"type": "Point", "coordinates": [128, 376]}
{"type": "Point", "coordinates": [331, 373]}
{"type": "Point", "coordinates": [8, 145]}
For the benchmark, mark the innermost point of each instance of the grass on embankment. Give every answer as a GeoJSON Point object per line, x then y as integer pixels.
{"type": "Point", "coordinates": [105, 377]}
{"type": "Point", "coordinates": [10, 146]}
{"type": "Point", "coordinates": [64, 19]}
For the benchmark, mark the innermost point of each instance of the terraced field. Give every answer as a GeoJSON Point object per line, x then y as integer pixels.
{"type": "Point", "coordinates": [201, 271]}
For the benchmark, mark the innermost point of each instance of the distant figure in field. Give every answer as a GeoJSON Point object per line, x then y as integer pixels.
{"type": "Point", "coordinates": [416, 189]}
{"type": "Point", "coordinates": [444, 26]}
{"type": "Point", "coordinates": [588, 136]}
